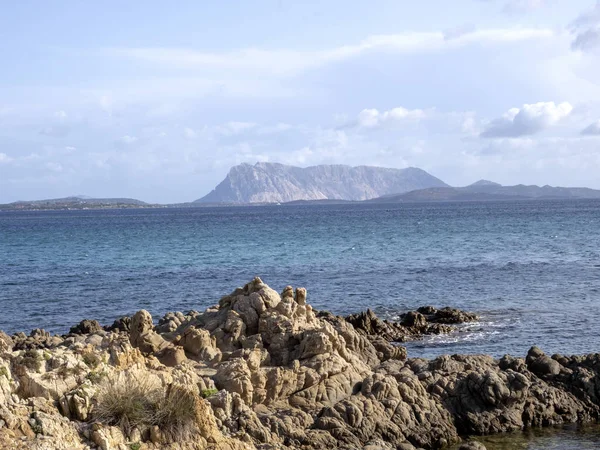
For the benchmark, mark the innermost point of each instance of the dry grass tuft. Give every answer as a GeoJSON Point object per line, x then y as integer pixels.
{"type": "Point", "coordinates": [127, 402]}
{"type": "Point", "coordinates": [177, 413]}
{"type": "Point", "coordinates": [137, 402]}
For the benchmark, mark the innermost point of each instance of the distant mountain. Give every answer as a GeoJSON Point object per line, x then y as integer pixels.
{"type": "Point", "coordinates": [484, 183]}
{"type": "Point", "coordinates": [272, 183]}
{"type": "Point", "coordinates": [489, 191]}
{"type": "Point", "coordinates": [78, 202]}
{"type": "Point", "coordinates": [532, 191]}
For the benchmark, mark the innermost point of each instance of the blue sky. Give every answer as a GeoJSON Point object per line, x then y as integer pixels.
{"type": "Point", "coordinates": [158, 101]}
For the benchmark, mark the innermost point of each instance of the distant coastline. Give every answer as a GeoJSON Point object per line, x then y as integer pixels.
{"type": "Point", "coordinates": [277, 184]}
{"type": "Point", "coordinates": [413, 197]}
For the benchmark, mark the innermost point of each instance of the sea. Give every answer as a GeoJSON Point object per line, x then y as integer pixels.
{"type": "Point", "coordinates": [529, 269]}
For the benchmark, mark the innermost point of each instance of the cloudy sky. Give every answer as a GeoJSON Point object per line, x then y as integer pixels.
{"type": "Point", "coordinates": [157, 100]}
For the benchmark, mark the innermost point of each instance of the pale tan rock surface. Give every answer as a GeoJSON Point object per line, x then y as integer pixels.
{"type": "Point", "coordinates": [268, 372]}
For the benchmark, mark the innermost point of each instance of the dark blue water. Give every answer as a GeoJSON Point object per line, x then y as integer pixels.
{"type": "Point", "coordinates": [531, 269]}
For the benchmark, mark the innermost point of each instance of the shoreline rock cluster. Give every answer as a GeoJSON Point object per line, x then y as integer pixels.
{"type": "Point", "coordinates": [263, 370]}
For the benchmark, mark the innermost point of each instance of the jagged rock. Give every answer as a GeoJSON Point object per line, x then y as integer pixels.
{"type": "Point", "coordinates": [414, 319]}
{"type": "Point", "coordinates": [391, 407]}
{"type": "Point", "coordinates": [38, 338]}
{"type": "Point", "coordinates": [77, 404]}
{"type": "Point", "coordinates": [306, 358]}
{"type": "Point", "coordinates": [169, 322]}
{"type": "Point", "coordinates": [472, 445]}
{"type": "Point", "coordinates": [386, 351]}
{"type": "Point", "coordinates": [200, 344]}
{"type": "Point", "coordinates": [142, 334]}
{"type": "Point", "coordinates": [60, 433]}
{"type": "Point", "coordinates": [156, 435]}
{"type": "Point", "coordinates": [50, 385]}
{"type": "Point", "coordinates": [289, 378]}
{"type": "Point", "coordinates": [484, 398]}
{"type": "Point", "coordinates": [368, 323]}
{"type": "Point", "coordinates": [171, 356]}
{"type": "Point", "coordinates": [122, 355]}
{"type": "Point", "coordinates": [447, 315]}
{"type": "Point", "coordinates": [414, 324]}
{"type": "Point", "coordinates": [6, 343]}
{"type": "Point", "coordinates": [107, 438]}
{"type": "Point", "coordinates": [301, 296]}
{"type": "Point", "coordinates": [540, 364]}
{"type": "Point", "coordinates": [121, 324]}
{"type": "Point", "coordinates": [86, 327]}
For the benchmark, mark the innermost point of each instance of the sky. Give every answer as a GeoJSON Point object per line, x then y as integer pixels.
{"type": "Point", "coordinates": [157, 100]}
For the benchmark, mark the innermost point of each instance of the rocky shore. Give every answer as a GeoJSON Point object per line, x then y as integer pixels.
{"type": "Point", "coordinates": [263, 370]}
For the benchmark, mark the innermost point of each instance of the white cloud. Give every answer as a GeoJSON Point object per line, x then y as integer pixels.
{"type": "Point", "coordinates": [106, 103]}
{"type": "Point", "coordinates": [512, 6]}
{"type": "Point", "coordinates": [70, 148]}
{"type": "Point", "coordinates": [301, 156]}
{"type": "Point", "coordinates": [458, 32]}
{"type": "Point", "coordinates": [239, 127]}
{"type": "Point", "coordinates": [527, 120]}
{"type": "Point", "coordinates": [372, 118]}
{"type": "Point", "coordinates": [189, 133]}
{"type": "Point", "coordinates": [54, 167]}
{"type": "Point", "coordinates": [586, 29]}
{"type": "Point", "coordinates": [470, 125]}
{"type": "Point", "coordinates": [287, 62]}
{"type": "Point", "coordinates": [4, 158]}
{"type": "Point", "coordinates": [61, 115]}
{"type": "Point", "coordinates": [55, 131]}
{"type": "Point", "coordinates": [233, 128]}
{"type": "Point", "coordinates": [592, 130]}
{"type": "Point", "coordinates": [520, 6]}
{"type": "Point", "coordinates": [128, 139]}
{"type": "Point", "coordinates": [274, 129]}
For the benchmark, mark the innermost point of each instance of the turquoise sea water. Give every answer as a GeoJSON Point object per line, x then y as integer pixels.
{"type": "Point", "coordinates": [530, 269]}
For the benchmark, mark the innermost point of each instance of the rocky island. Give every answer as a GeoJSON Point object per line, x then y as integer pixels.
{"type": "Point", "coordinates": [279, 183]}
{"type": "Point", "coordinates": [263, 370]}
{"type": "Point", "coordinates": [265, 184]}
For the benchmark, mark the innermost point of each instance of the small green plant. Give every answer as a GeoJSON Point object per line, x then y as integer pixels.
{"type": "Point", "coordinates": [47, 355]}
{"type": "Point", "coordinates": [32, 360]}
{"type": "Point", "coordinates": [205, 393]}
{"type": "Point", "coordinates": [91, 360]}
{"type": "Point", "coordinates": [37, 428]}
{"type": "Point", "coordinates": [4, 372]}
{"type": "Point", "coordinates": [135, 446]}
{"type": "Point", "coordinates": [96, 377]}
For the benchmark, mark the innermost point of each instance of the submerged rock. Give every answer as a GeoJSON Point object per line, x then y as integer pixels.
{"type": "Point", "coordinates": [413, 324]}
{"type": "Point", "coordinates": [472, 445]}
